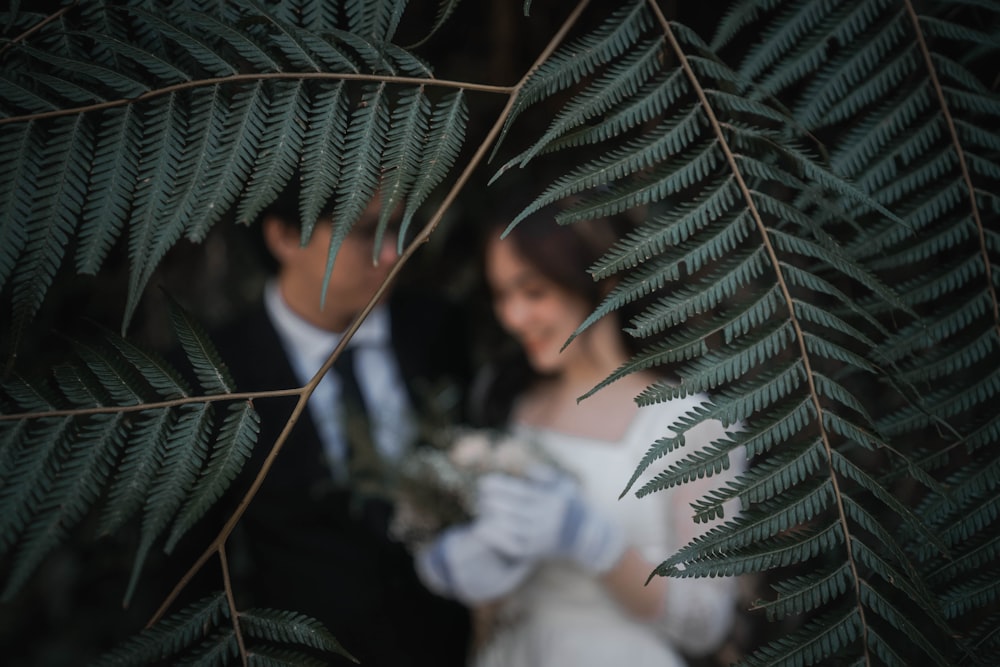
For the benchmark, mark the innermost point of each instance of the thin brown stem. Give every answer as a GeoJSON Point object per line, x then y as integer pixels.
{"type": "Point", "coordinates": [783, 286]}
{"type": "Point", "coordinates": [962, 162]}
{"type": "Point", "coordinates": [421, 238]}
{"type": "Point", "coordinates": [262, 76]}
{"type": "Point", "coordinates": [234, 614]}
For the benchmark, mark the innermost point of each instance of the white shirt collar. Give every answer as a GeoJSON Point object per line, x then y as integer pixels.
{"type": "Point", "coordinates": [312, 343]}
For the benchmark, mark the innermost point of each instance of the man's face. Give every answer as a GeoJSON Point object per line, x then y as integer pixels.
{"type": "Point", "coordinates": [355, 276]}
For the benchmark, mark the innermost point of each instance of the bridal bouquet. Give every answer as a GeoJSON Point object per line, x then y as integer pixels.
{"type": "Point", "coordinates": [436, 485]}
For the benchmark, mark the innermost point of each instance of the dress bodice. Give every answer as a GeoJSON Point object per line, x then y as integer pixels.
{"type": "Point", "coordinates": [562, 615]}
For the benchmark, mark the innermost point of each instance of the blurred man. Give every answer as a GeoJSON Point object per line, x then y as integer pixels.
{"type": "Point", "coordinates": [314, 539]}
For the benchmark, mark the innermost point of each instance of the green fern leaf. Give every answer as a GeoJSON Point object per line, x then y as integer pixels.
{"type": "Point", "coordinates": [879, 603]}
{"type": "Point", "coordinates": [240, 41]}
{"type": "Point", "coordinates": [212, 374]}
{"type": "Point", "coordinates": [119, 84]}
{"type": "Point", "coordinates": [408, 127]}
{"type": "Point", "coordinates": [289, 627]}
{"type": "Point", "coordinates": [193, 45]}
{"type": "Point", "coordinates": [57, 200]}
{"type": "Point", "coordinates": [444, 140]}
{"type": "Point", "coordinates": [620, 81]}
{"type": "Point", "coordinates": [286, 38]}
{"type": "Point", "coordinates": [809, 644]}
{"type": "Point", "coordinates": [170, 636]}
{"type": "Point", "coordinates": [236, 136]}
{"type": "Point", "coordinates": [229, 454]}
{"type": "Point", "coordinates": [163, 379]}
{"type": "Point", "coordinates": [114, 175]}
{"type": "Point", "coordinates": [20, 98]}
{"type": "Point", "coordinates": [581, 58]}
{"type": "Point", "coordinates": [162, 139]}
{"type": "Point", "coordinates": [364, 142]}
{"type": "Point", "coordinates": [128, 490]}
{"type": "Point", "coordinates": [33, 465]}
{"type": "Point", "coordinates": [277, 155]}
{"type": "Point", "coordinates": [74, 490]}
{"type": "Point", "coordinates": [184, 451]}
{"type": "Point", "coordinates": [798, 595]}
{"type": "Point", "coordinates": [161, 71]}
{"type": "Point", "coordinates": [18, 175]}
{"type": "Point", "coordinates": [327, 123]}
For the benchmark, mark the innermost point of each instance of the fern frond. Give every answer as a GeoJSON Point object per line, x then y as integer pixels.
{"type": "Point", "coordinates": [33, 464]}
{"type": "Point", "coordinates": [327, 117]}
{"type": "Point", "coordinates": [184, 450]}
{"type": "Point", "coordinates": [73, 491]}
{"type": "Point", "coordinates": [114, 175]}
{"type": "Point", "coordinates": [170, 636]}
{"type": "Point", "coordinates": [58, 194]}
{"type": "Point", "coordinates": [408, 126]}
{"type": "Point", "coordinates": [581, 59]}
{"type": "Point", "coordinates": [289, 628]}
{"type": "Point", "coordinates": [446, 133]}
{"type": "Point", "coordinates": [162, 140]}
{"type": "Point", "coordinates": [364, 142]}
{"type": "Point", "coordinates": [229, 454]}
{"type": "Point", "coordinates": [212, 374]}
{"type": "Point", "coordinates": [277, 153]}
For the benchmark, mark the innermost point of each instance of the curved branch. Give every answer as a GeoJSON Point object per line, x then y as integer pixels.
{"type": "Point", "coordinates": [262, 76]}
{"type": "Point", "coordinates": [962, 163]}
{"type": "Point", "coordinates": [786, 295]}
{"type": "Point", "coordinates": [218, 543]}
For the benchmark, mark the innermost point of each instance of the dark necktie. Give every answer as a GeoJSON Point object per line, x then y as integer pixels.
{"type": "Point", "coordinates": [364, 465]}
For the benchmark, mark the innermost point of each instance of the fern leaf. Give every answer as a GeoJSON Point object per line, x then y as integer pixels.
{"type": "Point", "coordinates": [33, 465]}
{"type": "Point", "coordinates": [620, 81]}
{"type": "Point", "coordinates": [114, 175]}
{"type": "Point", "coordinates": [184, 451]}
{"type": "Point", "coordinates": [327, 123]}
{"type": "Point", "coordinates": [277, 155]}
{"type": "Point", "coordinates": [879, 603]}
{"type": "Point", "coordinates": [205, 54]}
{"type": "Point", "coordinates": [237, 130]}
{"type": "Point", "coordinates": [74, 490]}
{"type": "Point", "coordinates": [826, 635]}
{"type": "Point", "coordinates": [229, 454]}
{"type": "Point", "coordinates": [163, 379]}
{"type": "Point", "coordinates": [445, 137]}
{"type": "Point", "coordinates": [285, 38]}
{"type": "Point", "coordinates": [58, 196]}
{"type": "Point", "coordinates": [407, 131]}
{"type": "Point", "coordinates": [289, 627]}
{"type": "Point", "coordinates": [798, 595]}
{"type": "Point", "coordinates": [240, 41]}
{"type": "Point", "coordinates": [170, 636]}
{"type": "Point", "coordinates": [362, 155]}
{"type": "Point", "coordinates": [160, 149]}
{"type": "Point", "coordinates": [212, 374]}
{"type": "Point", "coordinates": [120, 84]}
{"type": "Point", "coordinates": [581, 59]}
{"type": "Point", "coordinates": [18, 175]}
{"type": "Point", "coordinates": [137, 471]}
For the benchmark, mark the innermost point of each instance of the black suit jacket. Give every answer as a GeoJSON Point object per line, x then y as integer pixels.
{"type": "Point", "coordinates": [302, 546]}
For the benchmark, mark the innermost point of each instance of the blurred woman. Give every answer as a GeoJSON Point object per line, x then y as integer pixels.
{"type": "Point", "coordinates": [561, 563]}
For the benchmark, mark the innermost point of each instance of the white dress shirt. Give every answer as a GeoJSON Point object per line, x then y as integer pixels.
{"type": "Point", "coordinates": [379, 377]}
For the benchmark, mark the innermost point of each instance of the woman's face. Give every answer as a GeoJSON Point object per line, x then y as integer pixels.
{"type": "Point", "coordinates": [537, 312]}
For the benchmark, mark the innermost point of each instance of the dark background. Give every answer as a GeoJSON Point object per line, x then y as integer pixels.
{"type": "Point", "coordinates": [72, 608]}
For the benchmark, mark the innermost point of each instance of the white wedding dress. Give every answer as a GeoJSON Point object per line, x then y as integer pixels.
{"type": "Point", "coordinates": [563, 617]}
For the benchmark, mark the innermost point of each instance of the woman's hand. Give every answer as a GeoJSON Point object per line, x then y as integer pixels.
{"type": "Point", "coordinates": [543, 515]}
